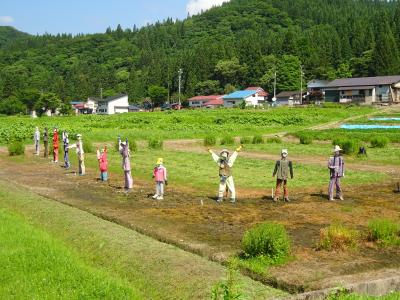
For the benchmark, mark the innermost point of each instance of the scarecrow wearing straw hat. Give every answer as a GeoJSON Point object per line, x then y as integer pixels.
{"type": "Point", "coordinates": [123, 148]}
{"type": "Point", "coordinates": [225, 162]}
{"type": "Point", "coordinates": [103, 163]}
{"type": "Point", "coordinates": [36, 140]}
{"type": "Point", "coordinates": [283, 169]}
{"type": "Point", "coordinates": [336, 169]}
{"type": "Point", "coordinates": [81, 154]}
{"type": "Point", "coordinates": [160, 176]}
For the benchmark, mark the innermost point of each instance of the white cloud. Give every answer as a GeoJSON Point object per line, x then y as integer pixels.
{"type": "Point", "coordinates": [6, 19]}
{"type": "Point", "coordinates": [196, 6]}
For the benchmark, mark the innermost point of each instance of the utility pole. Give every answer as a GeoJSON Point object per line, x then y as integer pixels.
{"type": "Point", "coordinates": [301, 84]}
{"type": "Point", "coordinates": [274, 99]}
{"type": "Point", "coordinates": [179, 87]}
{"type": "Point", "coordinates": [101, 93]}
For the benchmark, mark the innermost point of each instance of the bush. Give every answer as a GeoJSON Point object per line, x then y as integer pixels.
{"type": "Point", "coordinates": [379, 142]}
{"type": "Point", "coordinates": [305, 139]}
{"type": "Point", "coordinates": [267, 239]}
{"type": "Point", "coordinates": [156, 144]}
{"type": "Point", "coordinates": [337, 237]}
{"type": "Point", "coordinates": [349, 146]}
{"type": "Point", "coordinates": [245, 140]}
{"type": "Point", "coordinates": [16, 148]}
{"type": "Point", "coordinates": [384, 231]}
{"type": "Point", "coordinates": [88, 146]}
{"type": "Point", "coordinates": [227, 140]}
{"type": "Point", "coordinates": [275, 139]}
{"type": "Point", "coordinates": [210, 140]}
{"type": "Point", "coordinates": [258, 139]}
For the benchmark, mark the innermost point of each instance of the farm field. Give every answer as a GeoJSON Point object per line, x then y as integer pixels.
{"type": "Point", "coordinates": [191, 220]}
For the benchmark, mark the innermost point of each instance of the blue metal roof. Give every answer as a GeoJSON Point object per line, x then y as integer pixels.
{"type": "Point", "coordinates": [239, 95]}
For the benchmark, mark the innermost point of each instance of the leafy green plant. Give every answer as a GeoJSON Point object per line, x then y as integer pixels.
{"type": "Point", "coordinates": [267, 239]}
{"type": "Point", "coordinates": [258, 139]}
{"type": "Point", "coordinates": [384, 231]}
{"type": "Point", "coordinates": [228, 289]}
{"type": "Point", "coordinates": [275, 139]}
{"type": "Point", "coordinates": [245, 140]}
{"type": "Point", "coordinates": [227, 140]}
{"type": "Point", "coordinates": [155, 143]}
{"type": "Point", "coordinates": [210, 140]}
{"type": "Point", "coordinates": [337, 237]}
{"type": "Point", "coordinates": [379, 142]}
{"type": "Point", "coordinates": [16, 148]}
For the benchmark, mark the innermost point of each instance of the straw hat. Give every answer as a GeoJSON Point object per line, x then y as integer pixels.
{"type": "Point", "coordinates": [284, 152]}
{"type": "Point", "coordinates": [337, 149]}
{"type": "Point", "coordinates": [224, 151]}
{"type": "Point", "coordinates": [160, 161]}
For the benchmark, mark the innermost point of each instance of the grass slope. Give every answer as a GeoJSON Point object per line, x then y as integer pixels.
{"type": "Point", "coordinates": [155, 269]}
{"type": "Point", "coordinates": [33, 265]}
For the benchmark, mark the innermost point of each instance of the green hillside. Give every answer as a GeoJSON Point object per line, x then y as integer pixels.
{"type": "Point", "coordinates": [9, 34]}
{"type": "Point", "coordinates": [238, 44]}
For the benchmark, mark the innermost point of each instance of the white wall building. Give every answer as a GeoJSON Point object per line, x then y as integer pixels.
{"type": "Point", "coordinates": [250, 97]}
{"type": "Point", "coordinates": [113, 105]}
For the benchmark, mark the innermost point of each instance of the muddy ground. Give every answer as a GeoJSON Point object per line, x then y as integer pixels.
{"type": "Point", "coordinates": [195, 222]}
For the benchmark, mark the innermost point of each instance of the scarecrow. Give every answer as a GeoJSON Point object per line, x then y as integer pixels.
{"type": "Point", "coordinates": [103, 163]}
{"type": "Point", "coordinates": [46, 143]}
{"type": "Point", "coordinates": [81, 154]}
{"type": "Point", "coordinates": [126, 163]}
{"type": "Point", "coordinates": [283, 169]}
{"type": "Point", "coordinates": [225, 162]}
{"type": "Point", "coordinates": [66, 144]}
{"type": "Point", "coordinates": [336, 169]}
{"type": "Point", "coordinates": [36, 140]}
{"type": "Point", "coordinates": [160, 176]}
{"type": "Point", "coordinates": [55, 145]}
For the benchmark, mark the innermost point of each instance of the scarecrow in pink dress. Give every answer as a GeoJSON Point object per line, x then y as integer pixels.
{"type": "Point", "coordinates": [160, 176]}
{"type": "Point", "coordinates": [126, 163]}
{"type": "Point", "coordinates": [103, 163]}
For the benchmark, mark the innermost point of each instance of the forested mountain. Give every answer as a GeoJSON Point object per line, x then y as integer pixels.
{"type": "Point", "coordinates": [240, 43]}
{"type": "Point", "coordinates": [9, 34]}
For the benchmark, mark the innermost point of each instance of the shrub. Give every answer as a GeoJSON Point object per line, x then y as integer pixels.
{"type": "Point", "coordinates": [379, 142]}
{"type": "Point", "coordinates": [349, 146]}
{"type": "Point", "coordinates": [305, 139]}
{"type": "Point", "coordinates": [88, 146]}
{"type": "Point", "coordinates": [227, 140]}
{"type": "Point", "coordinates": [267, 239]}
{"type": "Point", "coordinates": [275, 139]}
{"type": "Point", "coordinates": [258, 139]}
{"type": "Point", "coordinates": [384, 231]}
{"type": "Point", "coordinates": [16, 148]}
{"type": "Point", "coordinates": [245, 140]}
{"type": "Point", "coordinates": [337, 237]}
{"type": "Point", "coordinates": [156, 144]}
{"type": "Point", "coordinates": [210, 140]}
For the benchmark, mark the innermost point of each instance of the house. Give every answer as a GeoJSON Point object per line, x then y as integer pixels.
{"type": "Point", "coordinates": [200, 101]}
{"type": "Point", "coordinates": [288, 98]}
{"type": "Point", "coordinates": [82, 107]}
{"type": "Point", "coordinates": [366, 90]}
{"type": "Point", "coordinates": [113, 105]}
{"type": "Point", "coordinates": [216, 103]}
{"type": "Point", "coordinates": [316, 90]}
{"type": "Point", "coordinates": [253, 96]}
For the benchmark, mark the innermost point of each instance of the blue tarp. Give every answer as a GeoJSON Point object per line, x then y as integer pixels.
{"type": "Point", "coordinates": [364, 126]}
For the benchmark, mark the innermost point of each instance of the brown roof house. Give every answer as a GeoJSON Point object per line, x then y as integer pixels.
{"type": "Point", "coordinates": [365, 90]}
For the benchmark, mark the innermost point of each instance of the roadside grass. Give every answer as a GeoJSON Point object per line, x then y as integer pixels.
{"type": "Point", "coordinates": [199, 171]}
{"type": "Point", "coordinates": [156, 270]}
{"type": "Point", "coordinates": [33, 265]}
{"type": "Point", "coordinates": [353, 296]}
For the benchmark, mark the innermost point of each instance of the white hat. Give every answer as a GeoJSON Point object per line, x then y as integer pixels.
{"type": "Point", "coordinates": [337, 149]}
{"type": "Point", "coordinates": [284, 151]}
{"type": "Point", "coordinates": [79, 135]}
{"type": "Point", "coordinates": [224, 151]}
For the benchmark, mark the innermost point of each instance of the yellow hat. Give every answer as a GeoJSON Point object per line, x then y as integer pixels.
{"type": "Point", "coordinates": [160, 161]}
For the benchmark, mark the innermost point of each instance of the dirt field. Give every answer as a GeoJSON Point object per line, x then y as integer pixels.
{"type": "Point", "coordinates": [196, 223]}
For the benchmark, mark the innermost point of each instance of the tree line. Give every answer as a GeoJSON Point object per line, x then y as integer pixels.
{"type": "Point", "coordinates": [241, 43]}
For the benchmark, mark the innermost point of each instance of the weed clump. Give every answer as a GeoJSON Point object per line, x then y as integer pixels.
{"type": "Point", "coordinates": [267, 239]}
{"type": "Point", "coordinates": [210, 140]}
{"type": "Point", "coordinates": [16, 148]}
{"type": "Point", "coordinates": [227, 140]}
{"type": "Point", "coordinates": [245, 140]}
{"type": "Point", "coordinates": [88, 146]}
{"type": "Point", "coordinates": [337, 237]}
{"type": "Point", "coordinates": [379, 142]}
{"type": "Point", "coordinates": [384, 232]}
{"type": "Point", "coordinates": [258, 139]}
{"type": "Point", "coordinates": [305, 139]}
{"type": "Point", "coordinates": [349, 146]}
{"type": "Point", "coordinates": [156, 144]}
{"type": "Point", "coordinates": [275, 139]}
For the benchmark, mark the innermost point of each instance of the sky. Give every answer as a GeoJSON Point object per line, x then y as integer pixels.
{"type": "Point", "coordinates": [92, 16]}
